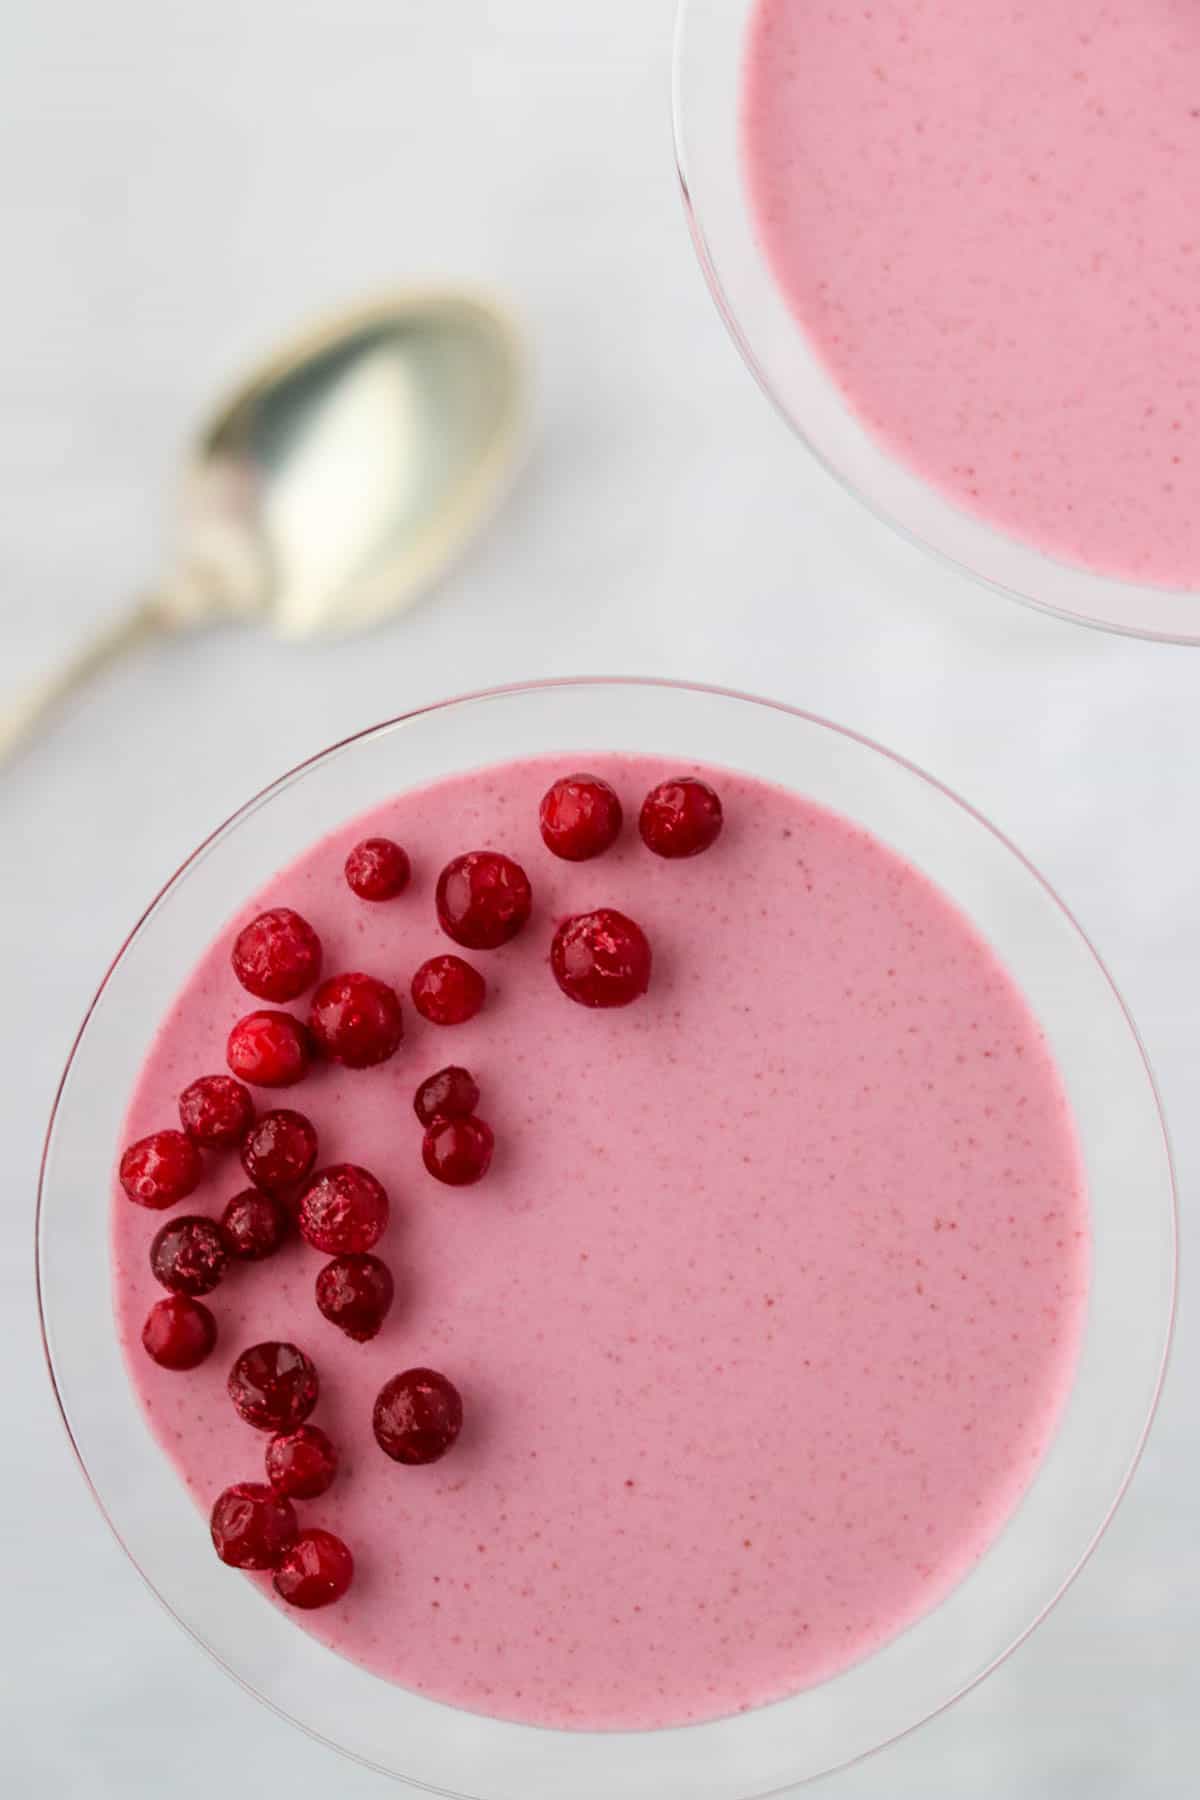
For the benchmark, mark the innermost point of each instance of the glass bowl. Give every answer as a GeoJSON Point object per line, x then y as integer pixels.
{"type": "Point", "coordinates": [709, 53]}
{"type": "Point", "coordinates": [1070, 1501]}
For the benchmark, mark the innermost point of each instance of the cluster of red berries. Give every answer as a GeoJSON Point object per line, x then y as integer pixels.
{"type": "Point", "coordinates": [483, 899]}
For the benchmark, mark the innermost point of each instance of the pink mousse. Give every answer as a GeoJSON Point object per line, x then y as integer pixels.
{"type": "Point", "coordinates": [985, 217]}
{"type": "Point", "coordinates": [762, 1317]}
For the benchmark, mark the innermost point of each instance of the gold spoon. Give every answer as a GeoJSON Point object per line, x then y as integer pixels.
{"type": "Point", "coordinates": [335, 483]}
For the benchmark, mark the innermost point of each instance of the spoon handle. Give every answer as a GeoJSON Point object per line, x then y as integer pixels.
{"type": "Point", "coordinates": [147, 618]}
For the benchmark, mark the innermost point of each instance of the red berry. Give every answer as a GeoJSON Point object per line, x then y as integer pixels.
{"type": "Point", "coordinates": [580, 817]}
{"type": "Point", "coordinates": [277, 955]}
{"type": "Point", "coordinates": [279, 1150]}
{"type": "Point", "coordinates": [316, 1571]}
{"type": "Point", "coordinates": [377, 869]}
{"type": "Point", "coordinates": [680, 818]}
{"type": "Point", "coordinates": [601, 958]}
{"type": "Point", "coordinates": [189, 1255]}
{"type": "Point", "coordinates": [447, 991]}
{"type": "Point", "coordinates": [355, 1294]}
{"type": "Point", "coordinates": [301, 1463]}
{"type": "Point", "coordinates": [343, 1210]}
{"type": "Point", "coordinates": [161, 1169]}
{"type": "Point", "coordinates": [269, 1049]}
{"type": "Point", "coordinates": [255, 1225]}
{"type": "Point", "coordinates": [417, 1416]}
{"type": "Point", "coordinates": [215, 1111]}
{"type": "Point", "coordinates": [450, 1094]}
{"type": "Point", "coordinates": [252, 1526]}
{"type": "Point", "coordinates": [178, 1333]}
{"type": "Point", "coordinates": [458, 1151]}
{"type": "Point", "coordinates": [356, 1020]}
{"type": "Point", "coordinates": [273, 1386]}
{"type": "Point", "coordinates": [483, 899]}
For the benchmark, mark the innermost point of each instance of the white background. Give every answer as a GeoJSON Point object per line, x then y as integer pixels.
{"type": "Point", "coordinates": [178, 181]}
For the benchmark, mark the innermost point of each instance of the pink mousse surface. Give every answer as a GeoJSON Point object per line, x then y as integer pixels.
{"type": "Point", "coordinates": [985, 217]}
{"type": "Point", "coordinates": [763, 1316]}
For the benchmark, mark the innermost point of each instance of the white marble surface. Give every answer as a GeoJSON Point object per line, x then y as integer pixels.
{"type": "Point", "coordinates": [177, 181]}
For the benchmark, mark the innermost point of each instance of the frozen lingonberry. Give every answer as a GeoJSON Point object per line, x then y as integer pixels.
{"type": "Point", "coordinates": [301, 1463]}
{"type": "Point", "coordinates": [279, 1150]}
{"type": "Point", "coordinates": [458, 1151]}
{"type": "Point", "coordinates": [255, 1225]}
{"type": "Point", "coordinates": [450, 1094]}
{"type": "Point", "coordinates": [269, 1049]}
{"type": "Point", "coordinates": [601, 958]}
{"type": "Point", "coordinates": [483, 899]}
{"type": "Point", "coordinates": [343, 1210]}
{"type": "Point", "coordinates": [161, 1169]}
{"type": "Point", "coordinates": [215, 1111]}
{"type": "Point", "coordinates": [356, 1020]}
{"type": "Point", "coordinates": [179, 1333]}
{"type": "Point", "coordinates": [189, 1255]}
{"type": "Point", "coordinates": [315, 1571]}
{"type": "Point", "coordinates": [447, 991]}
{"type": "Point", "coordinates": [377, 869]}
{"type": "Point", "coordinates": [277, 955]}
{"type": "Point", "coordinates": [252, 1526]}
{"type": "Point", "coordinates": [580, 817]}
{"type": "Point", "coordinates": [355, 1294]}
{"type": "Point", "coordinates": [417, 1416]}
{"type": "Point", "coordinates": [680, 818]}
{"type": "Point", "coordinates": [273, 1386]}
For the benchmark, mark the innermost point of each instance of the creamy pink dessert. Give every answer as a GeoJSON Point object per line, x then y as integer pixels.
{"type": "Point", "coordinates": [762, 1316]}
{"type": "Point", "coordinates": [984, 217]}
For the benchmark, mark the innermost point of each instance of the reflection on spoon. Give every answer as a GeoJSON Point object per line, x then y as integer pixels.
{"type": "Point", "coordinates": [337, 482]}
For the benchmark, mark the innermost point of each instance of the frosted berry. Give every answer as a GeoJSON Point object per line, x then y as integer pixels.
{"type": "Point", "coordinates": [377, 869]}
{"type": "Point", "coordinates": [680, 818]}
{"type": "Point", "coordinates": [355, 1294]}
{"type": "Point", "coordinates": [343, 1210]}
{"type": "Point", "coordinates": [580, 817]}
{"type": "Point", "coordinates": [315, 1571]}
{"type": "Point", "coordinates": [417, 1416]}
{"type": "Point", "coordinates": [252, 1526]}
{"type": "Point", "coordinates": [279, 1150]}
{"type": "Point", "coordinates": [301, 1463]}
{"type": "Point", "coordinates": [273, 1386]}
{"type": "Point", "coordinates": [269, 1049]}
{"type": "Point", "coordinates": [458, 1151]}
{"type": "Point", "coordinates": [483, 899]}
{"type": "Point", "coordinates": [255, 1225]}
{"type": "Point", "coordinates": [179, 1333]}
{"type": "Point", "coordinates": [356, 1020]}
{"type": "Point", "coordinates": [215, 1111]}
{"type": "Point", "coordinates": [277, 955]}
{"type": "Point", "coordinates": [448, 991]}
{"type": "Point", "coordinates": [601, 958]}
{"type": "Point", "coordinates": [450, 1094]}
{"type": "Point", "coordinates": [160, 1170]}
{"type": "Point", "coordinates": [189, 1255]}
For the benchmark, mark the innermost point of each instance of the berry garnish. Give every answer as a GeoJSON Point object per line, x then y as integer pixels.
{"type": "Point", "coordinates": [277, 955]}
{"type": "Point", "coordinates": [161, 1169]}
{"type": "Point", "coordinates": [273, 1386]}
{"type": "Point", "coordinates": [279, 1150]}
{"type": "Point", "coordinates": [356, 1020]}
{"type": "Point", "coordinates": [458, 1151]}
{"type": "Point", "coordinates": [447, 991]}
{"type": "Point", "coordinates": [189, 1255]}
{"type": "Point", "coordinates": [355, 1293]}
{"type": "Point", "coordinates": [601, 958]}
{"type": "Point", "coordinates": [255, 1224]}
{"type": "Point", "coordinates": [179, 1333]}
{"type": "Point", "coordinates": [417, 1416]}
{"type": "Point", "coordinates": [450, 1094]}
{"type": "Point", "coordinates": [343, 1210]}
{"type": "Point", "coordinates": [252, 1526]}
{"type": "Point", "coordinates": [301, 1463]}
{"type": "Point", "coordinates": [377, 869]}
{"type": "Point", "coordinates": [483, 899]}
{"type": "Point", "coordinates": [580, 817]}
{"type": "Point", "coordinates": [315, 1571]}
{"type": "Point", "coordinates": [268, 1049]}
{"type": "Point", "coordinates": [680, 818]}
{"type": "Point", "coordinates": [215, 1111]}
